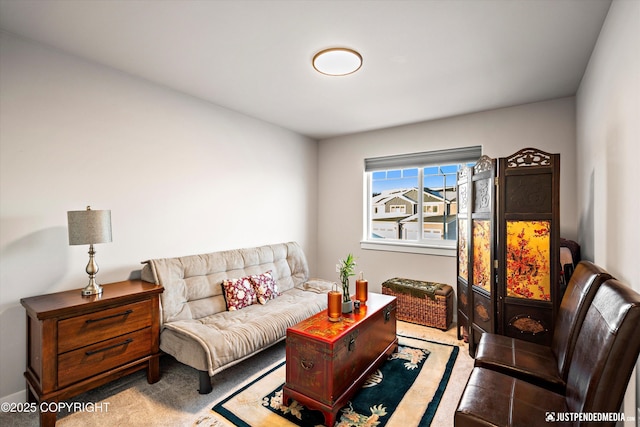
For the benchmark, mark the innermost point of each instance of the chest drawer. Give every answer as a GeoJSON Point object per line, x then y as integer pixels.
{"type": "Point", "coordinates": [85, 362]}
{"type": "Point", "coordinates": [91, 328]}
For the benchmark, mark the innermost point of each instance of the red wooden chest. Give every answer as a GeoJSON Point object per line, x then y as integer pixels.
{"type": "Point", "coordinates": [327, 362]}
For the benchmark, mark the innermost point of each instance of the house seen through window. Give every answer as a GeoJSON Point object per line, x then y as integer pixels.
{"type": "Point", "coordinates": [412, 199]}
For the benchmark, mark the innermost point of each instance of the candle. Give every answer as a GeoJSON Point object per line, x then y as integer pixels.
{"type": "Point", "coordinates": [362, 286]}
{"type": "Point", "coordinates": [334, 304]}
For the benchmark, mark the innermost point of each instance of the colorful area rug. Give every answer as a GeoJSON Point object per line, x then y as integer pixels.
{"type": "Point", "coordinates": [404, 392]}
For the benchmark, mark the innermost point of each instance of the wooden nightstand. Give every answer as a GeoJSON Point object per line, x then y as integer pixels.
{"type": "Point", "coordinates": [77, 343]}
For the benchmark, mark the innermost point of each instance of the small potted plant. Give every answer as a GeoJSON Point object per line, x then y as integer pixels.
{"type": "Point", "coordinates": [345, 268]}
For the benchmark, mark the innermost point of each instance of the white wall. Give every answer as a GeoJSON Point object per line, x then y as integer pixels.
{"type": "Point", "coordinates": [180, 175]}
{"type": "Point", "coordinates": [608, 135]}
{"type": "Point", "coordinates": [549, 126]}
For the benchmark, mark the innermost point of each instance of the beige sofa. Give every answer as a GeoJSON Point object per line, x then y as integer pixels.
{"type": "Point", "coordinates": [199, 331]}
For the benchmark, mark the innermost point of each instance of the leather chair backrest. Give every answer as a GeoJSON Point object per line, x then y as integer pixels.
{"type": "Point", "coordinates": [580, 291]}
{"type": "Point", "coordinates": [606, 350]}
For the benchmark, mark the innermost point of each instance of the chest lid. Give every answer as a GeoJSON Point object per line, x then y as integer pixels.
{"type": "Point", "coordinates": [318, 327]}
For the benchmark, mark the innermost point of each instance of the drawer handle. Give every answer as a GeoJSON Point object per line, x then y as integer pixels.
{"type": "Point", "coordinates": [124, 313]}
{"type": "Point", "coordinates": [125, 342]}
{"type": "Point", "coordinates": [306, 364]}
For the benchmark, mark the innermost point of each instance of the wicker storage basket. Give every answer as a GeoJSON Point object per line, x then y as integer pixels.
{"type": "Point", "coordinates": [425, 303]}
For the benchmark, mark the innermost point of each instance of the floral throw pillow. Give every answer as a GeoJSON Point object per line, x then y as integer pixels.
{"type": "Point", "coordinates": [265, 287]}
{"type": "Point", "coordinates": [238, 293]}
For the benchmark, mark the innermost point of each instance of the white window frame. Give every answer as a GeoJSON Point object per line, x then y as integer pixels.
{"type": "Point", "coordinates": [405, 161]}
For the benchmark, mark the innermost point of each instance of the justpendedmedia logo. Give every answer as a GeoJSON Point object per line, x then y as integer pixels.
{"type": "Point", "coordinates": [555, 417]}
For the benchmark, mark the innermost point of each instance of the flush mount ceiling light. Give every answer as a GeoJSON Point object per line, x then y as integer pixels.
{"type": "Point", "coordinates": [337, 61]}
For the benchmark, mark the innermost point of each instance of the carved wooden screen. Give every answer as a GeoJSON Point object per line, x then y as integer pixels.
{"type": "Point", "coordinates": [481, 244]}
{"type": "Point", "coordinates": [464, 232]}
{"type": "Point", "coordinates": [528, 253]}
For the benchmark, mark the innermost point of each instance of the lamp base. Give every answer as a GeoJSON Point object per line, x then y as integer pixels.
{"type": "Point", "coordinates": [92, 269]}
{"type": "Point", "coordinates": [92, 289]}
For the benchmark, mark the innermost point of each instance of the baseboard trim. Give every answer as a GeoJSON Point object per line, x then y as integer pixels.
{"type": "Point", "coordinates": [17, 397]}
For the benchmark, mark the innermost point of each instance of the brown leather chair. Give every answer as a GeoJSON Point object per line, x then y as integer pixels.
{"type": "Point", "coordinates": [605, 354]}
{"type": "Point", "coordinates": [542, 365]}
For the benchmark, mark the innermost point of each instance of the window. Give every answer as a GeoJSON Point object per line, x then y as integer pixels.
{"type": "Point", "coordinates": [412, 200]}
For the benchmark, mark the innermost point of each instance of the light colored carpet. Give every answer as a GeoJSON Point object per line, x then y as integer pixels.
{"type": "Point", "coordinates": [175, 401]}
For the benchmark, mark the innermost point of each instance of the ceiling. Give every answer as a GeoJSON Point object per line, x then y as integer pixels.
{"type": "Point", "coordinates": [423, 59]}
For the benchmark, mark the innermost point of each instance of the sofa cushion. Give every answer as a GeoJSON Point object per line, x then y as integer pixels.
{"type": "Point", "coordinates": [232, 336]}
{"type": "Point", "coordinates": [265, 287]}
{"type": "Point", "coordinates": [239, 293]}
{"type": "Point", "coordinates": [192, 284]}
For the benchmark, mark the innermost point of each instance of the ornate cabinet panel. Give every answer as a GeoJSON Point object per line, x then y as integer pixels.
{"type": "Point", "coordinates": [529, 244]}
{"type": "Point", "coordinates": [508, 277]}
{"type": "Point", "coordinates": [476, 225]}
{"type": "Point", "coordinates": [464, 233]}
{"type": "Point", "coordinates": [482, 243]}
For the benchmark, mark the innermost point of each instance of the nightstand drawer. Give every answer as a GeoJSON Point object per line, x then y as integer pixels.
{"type": "Point", "coordinates": [93, 359]}
{"type": "Point", "coordinates": [91, 328]}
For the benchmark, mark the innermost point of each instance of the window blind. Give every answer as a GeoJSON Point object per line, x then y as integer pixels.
{"type": "Point", "coordinates": [426, 158]}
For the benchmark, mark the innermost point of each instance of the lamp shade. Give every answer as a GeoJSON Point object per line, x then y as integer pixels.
{"type": "Point", "coordinates": [89, 226]}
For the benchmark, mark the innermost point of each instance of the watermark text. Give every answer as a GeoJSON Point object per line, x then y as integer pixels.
{"type": "Point", "coordinates": [552, 417]}
{"type": "Point", "coordinates": [55, 407]}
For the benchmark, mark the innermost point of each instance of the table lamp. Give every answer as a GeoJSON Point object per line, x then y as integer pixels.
{"type": "Point", "coordinates": [89, 227]}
